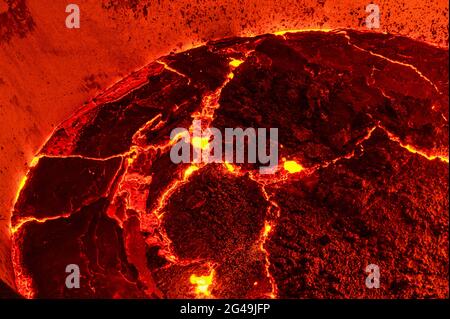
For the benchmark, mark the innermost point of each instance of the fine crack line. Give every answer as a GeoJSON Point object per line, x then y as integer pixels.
{"type": "Point", "coordinates": [412, 67]}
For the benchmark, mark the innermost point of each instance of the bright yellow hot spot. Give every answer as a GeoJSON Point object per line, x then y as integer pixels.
{"type": "Point", "coordinates": [200, 142]}
{"type": "Point", "coordinates": [235, 62]}
{"type": "Point", "coordinates": [190, 170]}
{"type": "Point", "coordinates": [202, 283]}
{"type": "Point", "coordinates": [229, 167]}
{"type": "Point", "coordinates": [267, 230]}
{"type": "Point", "coordinates": [292, 167]}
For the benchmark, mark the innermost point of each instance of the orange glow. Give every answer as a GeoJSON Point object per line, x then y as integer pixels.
{"type": "Point", "coordinates": [35, 160]}
{"type": "Point", "coordinates": [202, 284]}
{"type": "Point", "coordinates": [301, 30]}
{"type": "Point", "coordinates": [292, 167]}
{"type": "Point", "coordinates": [190, 170]}
{"type": "Point", "coordinates": [23, 280]}
{"type": "Point", "coordinates": [267, 17]}
{"type": "Point", "coordinates": [21, 186]}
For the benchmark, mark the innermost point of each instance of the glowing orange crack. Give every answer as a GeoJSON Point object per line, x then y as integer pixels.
{"type": "Point", "coordinates": [139, 133]}
{"type": "Point", "coordinates": [283, 32]}
{"type": "Point", "coordinates": [268, 227]}
{"type": "Point", "coordinates": [210, 103]}
{"type": "Point", "coordinates": [37, 158]}
{"type": "Point", "coordinates": [27, 220]}
{"type": "Point", "coordinates": [413, 149]}
{"type": "Point", "coordinates": [155, 216]}
{"type": "Point", "coordinates": [24, 283]}
{"type": "Point", "coordinates": [22, 183]}
{"type": "Point", "coordinates": [266, 231]}
{"type": "Point", "coordinates": [167, 67]}
{"type": "Point", "coordinates": [415, 69]}
{"type": "Point", "coordinates": [208, 106]}
{"type": "Point", "coordinates": [188, 172]}
{"type": "Point", "coordinates": [171, 189]}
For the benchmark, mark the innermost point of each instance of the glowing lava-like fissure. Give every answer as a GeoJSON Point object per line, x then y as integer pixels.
{"type": "Point", "coordinates": [132, 184]}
